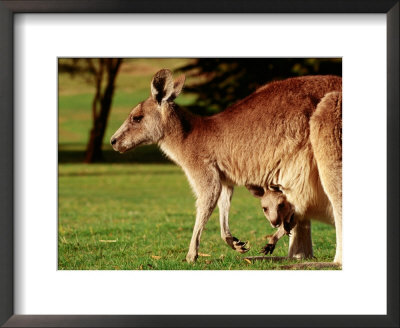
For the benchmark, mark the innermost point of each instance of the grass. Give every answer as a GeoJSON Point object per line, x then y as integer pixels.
{"type": "Point", "coordinates": [140, 216]}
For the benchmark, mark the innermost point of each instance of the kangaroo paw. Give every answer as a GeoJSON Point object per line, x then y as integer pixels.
{"type": "Point", "coordinates": [239, 246]}
{"type": "Point", "coordinates": [269, 248]}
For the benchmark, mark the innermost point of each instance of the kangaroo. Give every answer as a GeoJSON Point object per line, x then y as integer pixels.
{"type": "Point", "coordinates": [264, 139]}
{"type": "Point", "coordinates": [278, 211]}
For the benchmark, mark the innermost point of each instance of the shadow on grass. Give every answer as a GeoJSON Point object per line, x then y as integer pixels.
{"type": "Point", "coordinates": [70, 153]}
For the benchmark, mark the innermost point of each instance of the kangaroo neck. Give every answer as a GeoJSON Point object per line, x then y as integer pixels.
{"type": "Point", "coordinates": [179, 127]}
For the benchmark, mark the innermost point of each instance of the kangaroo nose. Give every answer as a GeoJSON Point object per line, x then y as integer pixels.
{"type": "Point", "coordinates": [113, 141]}
{"type": "Point", "coordinates": [276, 222]}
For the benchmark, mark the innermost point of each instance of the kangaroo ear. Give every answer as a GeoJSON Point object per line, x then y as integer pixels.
{"type": "Point", "coordinates": [162, 86]}
{"type": "Point", "coordinates": [256, 191]}
{"type": "Point", "coordinates": [276, 188]}
{"type": "Point", "coordinates": [178, 86]}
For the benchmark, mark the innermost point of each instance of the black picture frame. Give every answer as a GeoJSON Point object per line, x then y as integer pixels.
{"type": "Point", "coordinates": [7, 11]}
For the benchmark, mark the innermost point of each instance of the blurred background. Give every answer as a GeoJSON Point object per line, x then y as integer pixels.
{"type": "Point", "coordinates": [140, 216]}
{"type": "Point", "coordinates": [96, 95]}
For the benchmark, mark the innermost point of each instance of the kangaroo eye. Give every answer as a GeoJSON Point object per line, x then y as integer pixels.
{"type": "Point", "coordinates": [137, 119]}
{"type": "Point", "coordinates": [265, 209]}
{"type": "Point", "coordinates": [281, 206]}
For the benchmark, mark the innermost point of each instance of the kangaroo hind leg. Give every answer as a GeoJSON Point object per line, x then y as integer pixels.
{"type": "Point", "coordinates": [326, 140]}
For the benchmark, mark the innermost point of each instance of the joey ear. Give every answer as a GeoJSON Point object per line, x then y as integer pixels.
{"type": "Point", "coordinates": [256, 191]}
{"type": "Point", "coordinates": [162, 86]}
{"type": "Point", "coordinates": [275, 188]}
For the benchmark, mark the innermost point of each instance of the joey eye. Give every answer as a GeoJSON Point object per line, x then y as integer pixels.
{"type": "Point", "coordinates": [137, 119]}
{"type": "Point", "coordinates": [281, 206]}
{"type": "Point", "coordinates": [265, 209]}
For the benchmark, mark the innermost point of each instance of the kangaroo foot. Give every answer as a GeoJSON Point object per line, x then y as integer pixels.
{"type": "Point", "coordinates": [191, 258]}
{"type": "Point", "coordinates": [239, 246]}
{"type": "Point", "coordinates": [269, 248]}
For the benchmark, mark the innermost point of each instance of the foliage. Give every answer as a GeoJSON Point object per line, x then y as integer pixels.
{"type": "Point", "coordinates": [102, 72]}
{"type": "Point", "coordinates": [220, 82]}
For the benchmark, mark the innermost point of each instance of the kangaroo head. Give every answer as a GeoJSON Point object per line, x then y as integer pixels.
{"type": "Point", "coordinates": [277, 209]}
{"type": "Point", "coordinates": [147, 121]}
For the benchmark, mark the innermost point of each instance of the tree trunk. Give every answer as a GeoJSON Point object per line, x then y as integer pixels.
{"type": "Point", "coordinates": [104, 100]}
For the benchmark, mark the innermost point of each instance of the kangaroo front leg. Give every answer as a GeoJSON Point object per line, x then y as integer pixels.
{"type": "Point", "coordinates": [300, 243]}
{"type": "Point", "coordinates": [205, 204]}
{"type": "Point", "coordinates": [224, 204]}
{"type": "Point", "coordinates": [272, 240]}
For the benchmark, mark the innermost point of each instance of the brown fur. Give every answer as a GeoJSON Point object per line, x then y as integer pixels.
{"type": "Point", "coordinates": [278, 211]}
{"type": "Point", "coordinates": [326, 140]}
{"type": "Point", "coordinates": [275, 205]}
{"type": "Point", "coordinates": [262, 140]}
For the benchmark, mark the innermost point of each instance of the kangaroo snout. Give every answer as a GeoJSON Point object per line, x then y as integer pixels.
{"type": "Point", "coordinates": [275, 222]}
{"type": "Point", "coordinates": [117, 144]}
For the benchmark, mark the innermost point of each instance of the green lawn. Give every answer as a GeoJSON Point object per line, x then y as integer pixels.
{"type": "Point", "coordinates": [140, 216]}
